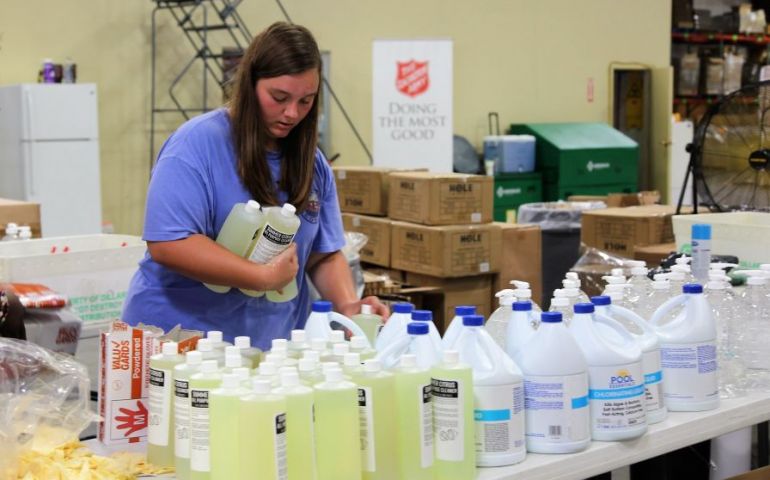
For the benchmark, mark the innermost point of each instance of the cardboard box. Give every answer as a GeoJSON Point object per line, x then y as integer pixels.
{"type": "Point", "coordinates": [654, 254]}
{"type": "Point", "coordinates": [620, 199]}
{"type": "Point", "coordinates": [621, 230]}
{"type": "Point", "coordinates": [762, 473]}
{"type": "Point", "coordinates": [20, 213]}
{"type": "Point", "coordinates": [441, 199]}
{"type": "Point", "coordinates": [448, 251]}
{"type": "Point", "coordinates": [520, 259]}
{"type": "Point", "coordinates": [450, 293]}
{"type": "Point", "coordinates": [363, 189]}
{"type": "Point", "coordinates": [377, 248]}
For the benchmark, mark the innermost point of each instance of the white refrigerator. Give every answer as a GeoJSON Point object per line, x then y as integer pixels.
{"type": "Point", "coordinates": [49, 154]}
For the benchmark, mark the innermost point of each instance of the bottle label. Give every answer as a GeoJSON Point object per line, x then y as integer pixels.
{"type": "Point", "coordinates": [182, 418]}
{"type": "Point", "coordinates": [690, 371]}
{"type": "Point", "coordinates": [426, 432]}
{"type": "Point", "coordinates": [449, 419]}
{"type": "Point", "coordinates": [160, 406]}
{"type": "Point", "coordinates": [366, 427]}
{"type": "Point", "coordinates": [653, 380]}
{"type": "Point", "coordinates": [269, 244]}
{"type": "Point", "coordinates": [617, 398]}
{"type": "Point", "coordinates": [200, 460]}
{"type": "Point", "coordinates": [499, 417]}
{"type": "Point", "coordinates": [556, 408]}
{"type": "Point", "coordinates": [281, 467]}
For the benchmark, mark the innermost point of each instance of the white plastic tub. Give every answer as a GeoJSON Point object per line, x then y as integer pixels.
{"type": "Point", "coordinates": [744, 234]}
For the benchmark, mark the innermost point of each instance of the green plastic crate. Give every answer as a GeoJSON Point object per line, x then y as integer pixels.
{"type": "Point", "coordinates": [554, 192]}
{"type": "Point", "coordinates": [512, 190]}
{"type": "Point", "coordinates": [582, 153]}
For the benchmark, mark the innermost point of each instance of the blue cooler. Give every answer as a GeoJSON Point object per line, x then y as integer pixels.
{"type": "Point", "coordinates": [517, 154]}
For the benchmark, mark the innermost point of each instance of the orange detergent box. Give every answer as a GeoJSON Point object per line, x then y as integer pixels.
{"type": "Point", "coordinates": [124, 378]}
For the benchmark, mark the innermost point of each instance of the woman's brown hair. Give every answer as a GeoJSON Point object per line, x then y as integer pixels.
{"type": "Point", "coordinates": [282, 49]}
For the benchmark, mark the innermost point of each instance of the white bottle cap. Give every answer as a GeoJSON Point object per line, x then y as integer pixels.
{"type": "Point", "coordinates": [298, 336]}
{"type": "Point", "coordinates": [352, 359]}
{"type": "Point", "coordinates": [559, 293]}
{"type": "Point", "coordinates": [573, 276]}
{"type": "Point", "coordinates": [676, 275]}
{"type": "Point", "coordinates": [408, 360]}
{"type": "Point", "coordinates": [230, 380]}
{"type": "Point", "coordinates": [326, 366]}
{"type": "Point", "coordinates": [366, 309]}
{"type": "Point", "coordinates": [680, 267]}
{"type": "Point", "coordinates": [215, 336]}
{"type": "Point", "coordinates": [617, 272]}
{"type": "Point", "coordinates": [312, 355]}
{"type": "Point", "coordinates": [204, 345]}
{"type": "Point", "coordinates": [523, 293]}
{"type": "Point", "coordinates": [333, 375]}
{"type": "Point", "coordinates": [289, 379]}
{"type": "Point", "coordinates": [11, 229]}
{"type": "Point", "coordinates": [233, 360]}
{"type": "Point", "coordinates": [268, 368]}
{"type": "Point", "coordinates": [260, 385]}
{"type": "Point", "coordinates": [372, 366]}
{"type": "Point", "coordinates": [519, 284]}
{"type": "Point", "coordinates": [242, 342]}
{"type": "Point", "coordinates": [25, 233]}
{"type": "Point", "coordinates": [170, 348]}
{"type": "Point", "coordinates": [716, 285]}
{"type": "Point", "coordinates": [567, 283]}
{"type": "Point", "coordinates": [357, 342]}
{"type": "Point", "coordinates": [286, 369]}
{"type": "Point", "coordinates": [451, 357]}
{"type": "Point", "coordinates": [660, 276]}
{"type": "Point", "coordinates": [340, 349]}
{"type": "Point", "coordinates": [193, 358]}
{"type": "Point", "coordinates": [560, 302]}
{"type": "Point", "coordinates": [337, 336]}
{"type": "Point", "coordinates": [279, 344]}
{"type": "Point", "coordinates": [232, 350]}
{"type": "Point", "coordinates": [318, 344]}
{"type": "Point", "coordinates": [756, 281]}
{"type": "Point", "coordinates": [243, 373]}
{"type": "Point", "coordinates": [209, 366]}
{"type": "Point", "coordinates": [306, 364]}
{"type": "Point", "coordinates": [661, 285]}
{"type": "Point", "coordinates": [571, 292]}
{"type": "Point", "coordinates": [252, 206]}
{"type": "Point", "coordinates": [506, 292]}
{"type": "Point", "coordinates": [288, 210]}
{"type": "Point", "coordinates": [639, 271]}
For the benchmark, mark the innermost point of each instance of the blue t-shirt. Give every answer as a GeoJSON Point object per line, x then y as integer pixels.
{"type": "Point", "coordinates": [194, 186]}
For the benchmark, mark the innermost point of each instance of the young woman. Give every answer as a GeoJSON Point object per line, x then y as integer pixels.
{"type": "Point", "coordinates": [262, 147]}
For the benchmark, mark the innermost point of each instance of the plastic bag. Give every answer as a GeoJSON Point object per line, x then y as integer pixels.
{"type": "Point", "coordinates": [354, 242]}
{"type": "Point", "coordinates": [44, 399]}
{"type": "Point", "coordinates": [556, 215]}
{"type": "Point", "coordinates": [593, 265]}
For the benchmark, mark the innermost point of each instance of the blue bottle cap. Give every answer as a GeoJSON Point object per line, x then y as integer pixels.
{"type": "Point", "coordinates": [692, 288]}
{"type": "Point", "coordinates": [422, 316]}
{"type": "Point", "coordinates": [417, 328]}
{"type": "Point", "coordinates": [465, 310]}
{"type": "Point", "coordinates": [701, 231]}
{"type": "Point", "coordinates": [550, 317]}
{"type": "Point", "coordinates": [525, 306]}
{"type": "Point", "coordinates": [584, 307]}
{"type": "Point", "coordinates": [601, 300]}
{"type": "Point", "coordinates": [322, 306]}
{"type": "Point", "coordinates": [473, 320]}
{"type": "Point", "coordinates": [403, 307]}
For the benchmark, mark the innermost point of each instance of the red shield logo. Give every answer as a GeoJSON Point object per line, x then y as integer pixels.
{"type": "Point", "coordinates": [412, 77]}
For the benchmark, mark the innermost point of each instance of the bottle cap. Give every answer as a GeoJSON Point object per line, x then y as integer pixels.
{"type": "Point", "coordinates": [333, 375]}
{"type": "Point", "coordinates": [288, 210]}
{"type": "Point", "coordinates": [567, 283]}
{"type": "Point", "coordinates": [279, 344]}
{"type": "Point", "coordinates": [473, 320]}
{"type": "Point", "coordinates": [243, 373]}
{"type": "Point", "coordinates": [366, 309]}
{"type": "Point", "coordinates": [209, 366]}
{"type": "Point", "coordinates": [692, 288]}
{"type": "Point", "coordinates": [322, 306]}
{"type": "Point", "coordinates": [584, 308]}
{"type": "Point", "coordinates": [298, 336]}
{"type": "Point", "coordinates": [422, 316]}
{"type": "Point", "coordinates": [340, 349]}
{"type": "Point", "coordinates": [573, 276]}
{"type": "Point", "coordinates": [463, 310]}
{"type": "Point", "coordinates": [268, 368]}
{"type": "Point", "coordinates": [403, 307]}
{"type": "Point", "coordinates": [233, 360]}
{"type": "Point", "coordinates": [318, 344]}
{"type": "Point", "coordinates": [204, 345]}
{"type": "Point", "coordinates": [252, 206]}
{"type": "Point", "coordinates": [372, 366]}
{"type": "Point", "coordinates": [170, 348]}
{"type": "Point", "coordinates": [520, 284]}
{"type": "Point", "coordinates": [701, 231]}
{"type": "Point", "coordinates": [522, 306]}
{"type": "Point", "coordinates": [11, 229]}
{"type": "Point", "coordinates": [506, 292]}
{"type": "Point", "coordinates": [617, 272]}
{"type": "Point", "coordinates": [260, 385]}
{"type": "Point", "coordinates": [215, 336]}
{"type": "Point", "coordinates": [601, 300]}
{"type": "Point", "coordinates": [232, 350]}
{"type": "Point", "coordinates": [312, 355]}
{"type": "Point", "coordinates": [419, 328]}
{"type": "Point", "coordinates": [451, 357]}
{"type": "Point", "coordinates": [639, 271]}
{"type": "Point", "coordinates": [357, 342]}
{"type": "Point", "coordinates": [242, 342]}
{"type": "Point", "coordinates": [337, 336]}
{"type": "Point", "coordinates": [551, 317]}
{"type": "Point", "coordinates": [408, 360]}
{"type": "Point", "coordinates": [230, 380]}
{"type": "Point", "coordinates": [193, 358]}
{"type": "Point", "coordinates": [306, 364]}
{"type": "Point", "coordinates": [325, 366]}
{"type": "Point", "coordinates": [522, 293]}
{"type": "Point", "coordinates": [352, 359]}
{"type": "Point", "coordinates": [289, 379]}
{"type": "Point", "coordinates": [559, 302]}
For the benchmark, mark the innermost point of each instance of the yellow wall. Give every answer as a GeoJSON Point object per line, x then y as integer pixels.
{"type": "Point", "coordinates": [529, 60]}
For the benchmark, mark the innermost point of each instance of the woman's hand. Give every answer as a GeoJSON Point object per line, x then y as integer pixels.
{"type": "Point", "coordinates": [378, 308]}
{"type": "Point", "coordinates": [283, 268]}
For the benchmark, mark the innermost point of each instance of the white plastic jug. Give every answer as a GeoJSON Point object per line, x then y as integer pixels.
{"type": "Point", "coordinates": [498, 392]}
{"type": "Point", "coordinates": [648, 341]}
{"type": "Point", "coordinates": [688, 352]}
{"type": "Point", "coordinates": [426, 316]}
{"type": "Point", "coordinates": [555, 389]}
{"type": "Point", "coordinates": [616, 382]}
{"type": "Point", "coordinates": [456, 325]}
{"type": "Point", "coordinates": [417, 342]}
{"type": "Point", "coordinates": [318, 324]}
{"type": "Point", "coordinates": [521, 328]}
{"type": "Point", "coordinates": [396, 324]}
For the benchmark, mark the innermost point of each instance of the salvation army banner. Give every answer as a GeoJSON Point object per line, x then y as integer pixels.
{"type": "Point", "coordinates": [412, 104]}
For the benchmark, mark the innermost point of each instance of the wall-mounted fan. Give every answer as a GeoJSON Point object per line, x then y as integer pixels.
{"type": "Point", "coordinates": [730, 153]}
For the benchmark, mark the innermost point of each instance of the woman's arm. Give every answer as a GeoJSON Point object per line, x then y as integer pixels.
{"type": "Point", "coordinates": [332, 278]}
{"type": "Point", "coordinates": [201, 258]}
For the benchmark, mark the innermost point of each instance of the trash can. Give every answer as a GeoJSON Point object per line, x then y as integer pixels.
{"type": "Point", "coordinates": [560, 226]}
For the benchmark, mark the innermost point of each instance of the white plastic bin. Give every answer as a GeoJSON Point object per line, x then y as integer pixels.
{"type": "Point", "coordinates": [743, 234]}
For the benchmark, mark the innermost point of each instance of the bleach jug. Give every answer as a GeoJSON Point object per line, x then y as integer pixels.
{"type": "Point", "coordinates": [616, 382]}
{"type": "Point", "coordinates": [426, 316]}
{"type": "Point", "coordinates": [396, 324]}
{"type": "Point", "coordinates": [456, 325]}
{"type": "Point", "coordinates": [521, 328]}
{"type": "Point", "coordinates": [555, 389]}
{"type": "Point", "coordinates": [498, 392]}
{"type": "Point", "coordinates": [318, 324]}
{"type": "Point", "coordinates": [688, 352]}
{"type": "Point", "coordinates": [416, 342]}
